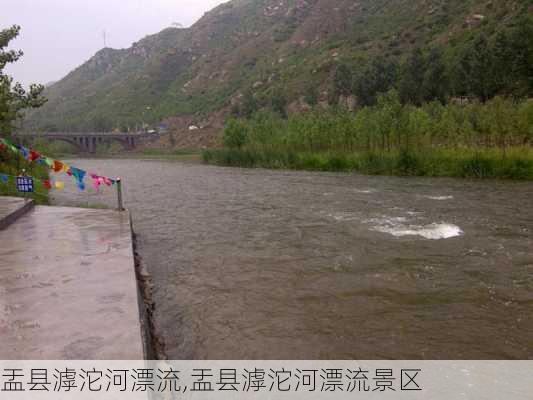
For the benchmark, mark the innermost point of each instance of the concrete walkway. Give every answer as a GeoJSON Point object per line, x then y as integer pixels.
{"type": "Point", "coordinates": [67, 286]}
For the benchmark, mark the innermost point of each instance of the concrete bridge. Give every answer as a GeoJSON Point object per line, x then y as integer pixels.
{"type": "Point", "coordinates": [87, 142]}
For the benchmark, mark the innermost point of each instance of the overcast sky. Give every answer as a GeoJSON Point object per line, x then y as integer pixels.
{"type": "Point", "coordinates": [59, 35]}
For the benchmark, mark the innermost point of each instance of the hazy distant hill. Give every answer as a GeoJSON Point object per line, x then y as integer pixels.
{"type": "Point", "coordinates": [265, 47]}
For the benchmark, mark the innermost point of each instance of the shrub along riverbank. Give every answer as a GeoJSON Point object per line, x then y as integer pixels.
{"type": "Point", "coordinates": [475, 140]}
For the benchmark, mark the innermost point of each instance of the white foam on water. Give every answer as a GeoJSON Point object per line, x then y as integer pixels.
{"type": "Point", "coordinates": [343, 216]}
{"type": "Point", "coordinates": [413, 213]}
{"type": "Point", "coordinates": [440, 198]}
{"type": "Point", "coordinates": [398, 227]}
{"type": "Point", "coordinates": [386, 221]}
{"type": "Point", "coordinates": [433, 231]}
{"type": "Point", "coordinates": [364, 191]}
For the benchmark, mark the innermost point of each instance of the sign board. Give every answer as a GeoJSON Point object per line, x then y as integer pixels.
{"type": "Point", "coordinates": [25, 184]}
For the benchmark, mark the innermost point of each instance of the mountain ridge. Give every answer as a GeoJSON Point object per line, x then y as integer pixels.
{"type": "Point", "coordinates": [258, 46]}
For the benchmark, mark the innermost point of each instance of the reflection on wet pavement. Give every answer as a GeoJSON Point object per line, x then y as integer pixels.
{"type": "Point", "coordinates": [65, 273]}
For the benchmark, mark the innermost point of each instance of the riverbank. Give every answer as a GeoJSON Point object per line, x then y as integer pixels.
{"type": "Point", "coordinates": [515, 163]}
{"type": "Point", "coordinates": [143, 154]}
{"type": "Point", "coordinates": [473, 140]}
{"type": "Point", "coordinates": [185, 155]}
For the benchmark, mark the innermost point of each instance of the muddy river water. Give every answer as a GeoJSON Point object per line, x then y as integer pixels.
{"type": "Point", "coordinates": [258, 264]}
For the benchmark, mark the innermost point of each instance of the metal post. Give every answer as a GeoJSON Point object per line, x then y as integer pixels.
{"type": "Point", "coordinates": [119, 194]}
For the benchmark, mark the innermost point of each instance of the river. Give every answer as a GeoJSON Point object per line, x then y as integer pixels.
{"type": "Point", "coordinates": [259, 264]}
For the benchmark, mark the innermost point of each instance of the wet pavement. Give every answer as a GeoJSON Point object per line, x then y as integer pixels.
{"type": "Point", "coordinates": [68, 287]}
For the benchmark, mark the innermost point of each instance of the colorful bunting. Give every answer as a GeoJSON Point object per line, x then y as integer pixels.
{"type": "Point", "coordinates": [55, 165]}
{"type": "Point", "coordinates": [5, 144]}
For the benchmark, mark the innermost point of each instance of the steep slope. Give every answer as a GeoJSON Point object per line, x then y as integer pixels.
{"type": "Point", "coordinates": [265, 46]}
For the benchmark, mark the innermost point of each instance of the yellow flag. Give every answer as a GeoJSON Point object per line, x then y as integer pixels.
{"type": "Point", "coordinates": [59, 185]}
{"type": "Point", "coordinates": [65, 168]}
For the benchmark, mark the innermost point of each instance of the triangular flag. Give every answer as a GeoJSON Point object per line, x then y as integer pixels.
{"type": "Point", "coordinates": [34, 155]}
{"type": "Point", "coordinates": [79, 174]}
{"type": "Point", "coordinates": [58, 166]}
{"type": "Point", "coordinates": [24, 151]}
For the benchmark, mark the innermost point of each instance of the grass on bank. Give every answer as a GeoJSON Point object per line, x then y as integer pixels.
{"type": "Point", "coordinates": [147, 154]}
{"type": "Point", "coordinates": [170, 154]}
{"type": "Point", "coordinates": [517, 163]}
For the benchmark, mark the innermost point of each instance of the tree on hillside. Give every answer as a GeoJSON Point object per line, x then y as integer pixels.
{"type": "Point", "coordinates": [278, 103]}
{"type": "Point", "coordinates": [342, 81]}
{"type": "Point", "coordinates": [483, 79]}
{"type": "Point", "coordinates": [311, 94]}
{"type": "Point", "coordinates": [503, 60]}
{"type": "Point", "coordinates": [247, 106]}
{"type": "Point", "coordinates": [497, 64]}
{"type": "Point", "coordinates": [514, 61]}
{"type": "Point", "coordinates": [373, 79]}
{"type": "Point", "coordinates": [435, 84]}
{"type": "Point", "coordinates": [410, 85]}
{"type": "Point", "coordinates": [13, 98]}
{"type": "Point", "coordinates": [475, 71]}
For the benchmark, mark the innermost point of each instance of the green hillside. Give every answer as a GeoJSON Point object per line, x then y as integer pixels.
{"type": "Point", "coordinates": [248, 54]}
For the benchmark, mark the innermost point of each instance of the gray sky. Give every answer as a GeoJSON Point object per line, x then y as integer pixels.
{"type": "Point", "coordinates": [59, 35]}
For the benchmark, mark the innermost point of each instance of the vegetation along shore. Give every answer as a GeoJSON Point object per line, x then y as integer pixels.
{"type": "Point", "coordinates": [463, 110]}
{"type": "Point", "coordinates": [490, 140]}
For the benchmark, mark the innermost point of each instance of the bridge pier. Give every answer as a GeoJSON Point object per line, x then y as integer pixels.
{"type": "Point", "coordinates": [83, 143]}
